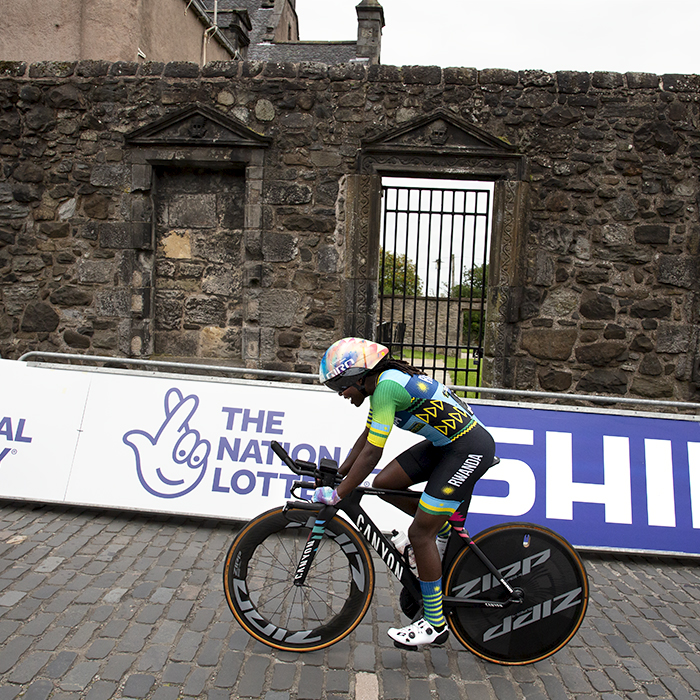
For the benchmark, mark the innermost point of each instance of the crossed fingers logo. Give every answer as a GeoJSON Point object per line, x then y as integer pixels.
{"type": "Point", "coordinates": [172, 462]}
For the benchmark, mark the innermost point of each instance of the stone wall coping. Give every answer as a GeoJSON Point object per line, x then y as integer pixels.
{"type": "Point", "coordinates": [563, 81]}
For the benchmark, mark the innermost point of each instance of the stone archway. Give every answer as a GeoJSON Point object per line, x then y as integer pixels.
{"type": "Point", "coordinates": [441, 145]}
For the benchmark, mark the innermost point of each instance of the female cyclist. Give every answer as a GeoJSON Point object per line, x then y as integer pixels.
{"type": "Point", "coordinates": [456, 452]}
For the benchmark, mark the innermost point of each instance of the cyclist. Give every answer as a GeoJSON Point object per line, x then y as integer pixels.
{"type": "Point", "coordinates": [456, 452]}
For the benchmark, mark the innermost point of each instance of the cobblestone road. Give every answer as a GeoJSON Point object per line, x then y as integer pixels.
{"type": "Point", "coordinates": [99, 605]}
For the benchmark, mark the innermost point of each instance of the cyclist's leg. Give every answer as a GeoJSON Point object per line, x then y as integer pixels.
{"type": "Point", "coordinates": [422, 533]}
{"type": "Point", "coordinates": [404, 471]}
{"type": "Point", "coordinates": [394, 477]}
{"type": "Point", "coordinates": [427, 522]}
{"type": "Point", "coordinates": [432, 627]}
{"type": "Point", "coordinates": [456, 470]}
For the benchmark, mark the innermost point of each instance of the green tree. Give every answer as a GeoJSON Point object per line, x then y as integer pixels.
{"type": "Point", "coordinates": [474, 282]}
{"type": "Point", "coordinates": [473, 286]}
{"type": "Point", "coordinates": [472, 326]}
{"type": "Point", "coordinates": [398, 276]}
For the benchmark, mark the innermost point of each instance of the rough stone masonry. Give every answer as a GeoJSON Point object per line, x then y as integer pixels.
{"type": "Point", "coordinates": [228, 213]}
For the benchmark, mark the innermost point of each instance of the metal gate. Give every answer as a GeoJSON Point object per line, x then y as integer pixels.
{"type": "Point", "coordinates": [433, 270]}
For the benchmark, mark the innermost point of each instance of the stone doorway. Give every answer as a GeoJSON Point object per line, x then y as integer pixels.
{"type": "Point", "coordinates": [441, 145]}
{"type": "Point", "coordinates": [199, 223]}
{"type": "Point", "coordinates": [197, 181]}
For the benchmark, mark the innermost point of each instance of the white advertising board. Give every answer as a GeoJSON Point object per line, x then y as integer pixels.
{"type": "Point", "coordinates": [165, 443]}
{"type": "Point", "coordinates": [40, 417]}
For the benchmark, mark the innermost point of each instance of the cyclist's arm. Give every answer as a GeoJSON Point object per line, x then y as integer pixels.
{"type": "Point", "coordinates": [365, 455]}
{"type": "Point", "coordinates": [362, 467]}
{"type": "Point", "coordinates": [354, 453]}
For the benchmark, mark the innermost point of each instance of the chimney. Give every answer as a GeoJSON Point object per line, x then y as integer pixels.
{"type": "Point", "coordinates": [370, 20]}
{"type": "Point", "coordinates": [238, 32]}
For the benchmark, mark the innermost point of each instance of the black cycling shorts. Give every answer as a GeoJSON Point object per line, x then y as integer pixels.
{"type": "Point", "coordinates": [451, 471]}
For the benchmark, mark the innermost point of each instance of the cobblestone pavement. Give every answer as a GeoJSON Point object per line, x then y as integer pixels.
{"type": "Point", "coordinates": [98, 605]}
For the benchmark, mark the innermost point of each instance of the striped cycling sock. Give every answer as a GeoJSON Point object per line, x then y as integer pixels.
{"type": "Point", "coordinates": [445, 531]}
{"type": "Point", "coordinates": [432, 603]}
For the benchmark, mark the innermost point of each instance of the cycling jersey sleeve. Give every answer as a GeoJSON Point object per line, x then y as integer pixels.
{"type": "Point", "coordinates": [388, 398]}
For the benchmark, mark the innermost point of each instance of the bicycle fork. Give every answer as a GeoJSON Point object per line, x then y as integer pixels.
{"type": "Point", "coordinates": [312, 544]}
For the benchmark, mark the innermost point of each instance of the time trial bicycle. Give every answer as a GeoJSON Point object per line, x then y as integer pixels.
{"type": "Point", "coordinates": [300, 577]}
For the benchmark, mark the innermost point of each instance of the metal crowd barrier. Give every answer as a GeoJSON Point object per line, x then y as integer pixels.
{"type": "Point", "coordinates": [313, 377]}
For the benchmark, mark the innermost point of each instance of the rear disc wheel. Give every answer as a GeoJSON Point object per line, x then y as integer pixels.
{"type": "Point", "coordinates": [554, 594]}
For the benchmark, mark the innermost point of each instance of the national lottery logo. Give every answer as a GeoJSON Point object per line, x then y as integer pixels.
{"type": "Point", "coordinates": [172, 462]}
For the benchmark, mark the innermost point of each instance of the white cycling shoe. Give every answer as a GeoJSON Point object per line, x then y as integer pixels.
{"type": "Point", "coordinates": [417, 634]}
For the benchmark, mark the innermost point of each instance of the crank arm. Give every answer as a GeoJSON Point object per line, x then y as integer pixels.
{"type": "Point", "coordinates": [516, 598]}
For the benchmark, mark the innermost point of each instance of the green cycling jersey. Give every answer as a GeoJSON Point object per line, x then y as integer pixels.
{"type": "Point", "coordinates": [419, 404]}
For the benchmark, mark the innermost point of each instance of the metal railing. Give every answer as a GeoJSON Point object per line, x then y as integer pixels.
{"type": "Point", "coordinates": [577, 397]}
{"type": "Point", "coordinates": [434, 255]}
{"type": "Point", "coordinates": [164, 363]}
{"type": "Point", "coordinates": [36, 354]}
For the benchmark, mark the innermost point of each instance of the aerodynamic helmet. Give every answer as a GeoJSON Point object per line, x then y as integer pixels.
{"type": "Point", "coordinates": [348, 360]}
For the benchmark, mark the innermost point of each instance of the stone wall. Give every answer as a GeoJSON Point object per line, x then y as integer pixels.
{"type": "Point", "coordinates": [594, 277]}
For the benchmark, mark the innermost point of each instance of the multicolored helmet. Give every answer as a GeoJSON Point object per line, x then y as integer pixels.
{"type": "Point", "coordinates": [348, 360]}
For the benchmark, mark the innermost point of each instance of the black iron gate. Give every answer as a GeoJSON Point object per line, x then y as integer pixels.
{"type": "Point", "coordinates": [432, 278]}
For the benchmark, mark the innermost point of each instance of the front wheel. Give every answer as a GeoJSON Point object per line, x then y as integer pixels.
{"type": "Point", "coordinates": [553, 581]}
{"type": "Point", "coordinates": [259, 572]}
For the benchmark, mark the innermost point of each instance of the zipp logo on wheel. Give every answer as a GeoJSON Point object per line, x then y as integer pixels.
{"type": "Point", "coordinates": [477, 586]}
{"type": "Point", "coordinates": [534, 614]}
{"type": "Point", "coordinates": [240, 591]}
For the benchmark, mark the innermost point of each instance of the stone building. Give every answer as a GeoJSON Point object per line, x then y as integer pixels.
{"type": "Point", "coordinates": [274, 33]}
{"type": "Point", "coordinates": [197, 31]}
{"type": "Point", "coordinates": [230, 213]}
{"type": "Point", "coordinates": [145, 30]}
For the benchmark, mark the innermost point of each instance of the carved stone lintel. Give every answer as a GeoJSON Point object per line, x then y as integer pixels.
{"type": "Point", "coordinates": [197, 125]}
{"type": "Point", "coordinates": [441, 143]}
{"type": "Point", "coordinates": [445, 164]}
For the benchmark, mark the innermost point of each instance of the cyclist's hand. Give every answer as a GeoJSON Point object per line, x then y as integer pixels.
{"type": "Point", "coordinates": [327, 495]}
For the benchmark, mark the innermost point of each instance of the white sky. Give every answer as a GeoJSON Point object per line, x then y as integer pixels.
{"type": "Point", "coordinates": [648, 36]}
{"type": "Point", "coordinates": [456, 241]}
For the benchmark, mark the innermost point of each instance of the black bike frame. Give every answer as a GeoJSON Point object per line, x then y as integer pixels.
{"type": "Point", "coordinates": [516, 595]}
{"type": "Point", "coordinates": [394, 560]}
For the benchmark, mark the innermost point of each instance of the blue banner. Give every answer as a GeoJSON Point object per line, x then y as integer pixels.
{"type": "Point", "coordinates": [602, 480]}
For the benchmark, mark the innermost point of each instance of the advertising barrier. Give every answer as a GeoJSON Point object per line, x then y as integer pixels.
{"type": "Point", "coordinates": [164, 443]}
